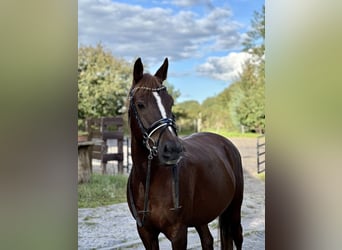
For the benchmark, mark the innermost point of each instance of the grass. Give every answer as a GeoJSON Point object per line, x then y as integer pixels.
{"type": "Point", "coordinates": [227, 134]}
{"type": "Point", "coordinates": [102, 190]}
{"type": "Point", "coordinates": [234, 134]}
{"type": "Point", "coordinates": [261, 176]}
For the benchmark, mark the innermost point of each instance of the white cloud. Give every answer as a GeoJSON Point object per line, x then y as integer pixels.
{"type": "Point", "coordinates": [224, 68]}
{"type": "Point", "coordinates": [186, 3]}
{"type": "Point", "coordinates": [153, 33]}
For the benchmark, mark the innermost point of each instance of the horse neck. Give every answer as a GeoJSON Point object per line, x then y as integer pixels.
{"type": "Point", "coordinates": [139, 158]}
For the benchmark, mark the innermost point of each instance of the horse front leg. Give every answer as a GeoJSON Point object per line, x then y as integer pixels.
{"type": "Point", "coordinates": [178, 235]}
{"type": "Point", "coordinates": [149, 238]}
{"type": "Point", "coordinates": [207, 240]}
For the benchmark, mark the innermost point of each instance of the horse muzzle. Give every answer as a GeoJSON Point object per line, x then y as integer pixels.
{"type": "Point", "coordinates": [170, 152]}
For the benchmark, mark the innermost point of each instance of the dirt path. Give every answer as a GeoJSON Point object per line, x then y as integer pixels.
{"type": "Point", "coordinates": [112, 227]}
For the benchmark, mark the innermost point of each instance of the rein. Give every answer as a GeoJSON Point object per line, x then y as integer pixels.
{"type": "Point", "coordinates": [163, 123]}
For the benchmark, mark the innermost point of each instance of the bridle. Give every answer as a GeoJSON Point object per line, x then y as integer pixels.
{"type": "Point", "coordinates": [152, 147]}
{"type": "Point", "coordinates": [163, 123]}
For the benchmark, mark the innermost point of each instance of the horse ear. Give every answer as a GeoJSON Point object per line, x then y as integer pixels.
{"type": "Point", "coordinates": [138, 70]}
{"type": "Point", "coordinates": [162, 71]}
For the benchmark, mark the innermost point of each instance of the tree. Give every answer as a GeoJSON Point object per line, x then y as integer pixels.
{"type": "Point", "coordinates": [231, 99]}
{"type": "Point", "coordinates": [255, 40]}
{"type": "Point", "coordinates": [250, 111]}
{"type": "Point", "coordinates": [103, 83]}
{"type": "Point", "coordinates": [216, 114]}
{"type": "Point", "coordinates": [243, 102]}
{"type": "Point", "coordinates": [188, 115]}
{"type": "Point", "coordinates": [175, 93]}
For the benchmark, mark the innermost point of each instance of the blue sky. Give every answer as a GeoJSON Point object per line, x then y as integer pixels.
{"type": "Point", "coordinates": [201, 38]}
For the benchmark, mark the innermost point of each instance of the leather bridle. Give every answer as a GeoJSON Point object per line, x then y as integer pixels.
{"type": "Point", "coordinates": [163, 123]}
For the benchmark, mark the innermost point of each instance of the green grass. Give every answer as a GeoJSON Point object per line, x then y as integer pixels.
{"type": "Point", "coordinates": [262, 176]}
{"type": "Point", "coordinates": [234, 134]}
{"type": "Point", "coordinates": [226, 134]}
{"type": "Point", "coordinates": [102, 190]}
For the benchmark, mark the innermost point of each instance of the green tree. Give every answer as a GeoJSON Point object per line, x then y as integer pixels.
{"type": "Point", "coordinates": [243, 102]}
{"type": "Point", "coordinates": [175, 93]}
{"type": "Point", "coordinates": [188, 115]}
{"type": "Point", "coordinates": [103, 82]}
{"type": "Point", "coordinates": [231, 99]}
{"type": "Point", "coordinates": [255, 40]}
{"type": "Point", "coordinates": [249, 107]}
{"type": "Point", "coordinates": [215, 113]}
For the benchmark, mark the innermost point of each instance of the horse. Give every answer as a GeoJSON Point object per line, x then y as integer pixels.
{"type": "Point", "coordinates": [176, 183]}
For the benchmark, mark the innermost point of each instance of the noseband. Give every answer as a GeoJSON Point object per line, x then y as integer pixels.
{"type": "Point", "coordinates": [147, 133]}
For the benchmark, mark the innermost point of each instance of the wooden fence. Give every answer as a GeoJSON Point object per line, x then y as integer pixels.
{"type": "Point", "coordinates": [100, 131]}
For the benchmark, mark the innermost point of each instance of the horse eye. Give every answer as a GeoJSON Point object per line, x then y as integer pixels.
{"type": "Point", "coordinates": [140, 105]}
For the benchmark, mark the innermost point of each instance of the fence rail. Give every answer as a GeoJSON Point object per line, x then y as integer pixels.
{"type": "Point", "coordinates": [261, 154]}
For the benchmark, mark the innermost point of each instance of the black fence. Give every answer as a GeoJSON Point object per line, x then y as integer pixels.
{"type": "Point", "coordinates": [261, 154]}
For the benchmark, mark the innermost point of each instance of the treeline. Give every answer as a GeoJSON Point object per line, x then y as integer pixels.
{"type": "Point", "coordinates": [104, 82]}
{"type": "Point", "coordinates": [241, 106]}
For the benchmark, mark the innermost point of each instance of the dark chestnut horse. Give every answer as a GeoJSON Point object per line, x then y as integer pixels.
{"type": "Point", "coordinates": [179, 183]}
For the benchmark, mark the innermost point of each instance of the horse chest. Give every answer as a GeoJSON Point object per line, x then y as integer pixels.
{"type": "Point", "coordinates": [161, 210]}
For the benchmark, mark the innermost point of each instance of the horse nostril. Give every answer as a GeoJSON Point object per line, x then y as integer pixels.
{"type": "Point", "coordinates": [166, 148]}
{"type": "Point", "coordinates": [171, 152]}
{"type": "Point", "coordinates": [179, 148]}
{"type": "Point", "coordinates": [172, 149]}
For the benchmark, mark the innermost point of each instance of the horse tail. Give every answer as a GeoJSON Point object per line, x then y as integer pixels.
{"type": "Point", "coordinates": [230, 219]}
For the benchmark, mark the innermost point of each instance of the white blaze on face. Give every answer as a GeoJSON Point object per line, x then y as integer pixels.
{"type": "Point", "coordinates": [161, 107]}
{"type": "Point", "coordinates": [160, 104]}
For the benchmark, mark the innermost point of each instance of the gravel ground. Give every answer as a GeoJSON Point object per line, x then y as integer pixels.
{"type": "Point", "coordinates": [113, 227]}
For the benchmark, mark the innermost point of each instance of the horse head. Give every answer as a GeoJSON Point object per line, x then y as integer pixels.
{"type": "Point", "coordinates": [150, 113]}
